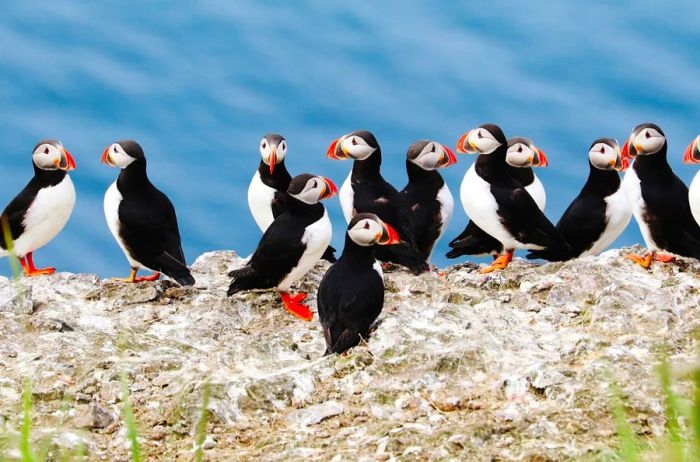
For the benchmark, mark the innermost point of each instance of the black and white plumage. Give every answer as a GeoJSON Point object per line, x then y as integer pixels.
{"type": "Point", "coordinates": [426, 198]}
{"type": "Point", "coordinates": [366, 191]}
{"type": "Point", "coordinates": [141, 218]}
{"type": "Point", "coordinates": [497, 203]}
{"type": "Point", "coordinates": [351, 293]}
{"type": "Point", "coordinates": [292, 244]}
{"type": "Point", "coordinates": [40, 211]}
{"type": "Point", "coordinates": [521, 156]}
{"type": "Point", "coordinates": [267, 192]}
{"type": "Point", "coordinates": [601, 211]}
{"type": "Point", "coordinates": [659, 199]}
{"type": "Point", "coordinates": [692, 156]}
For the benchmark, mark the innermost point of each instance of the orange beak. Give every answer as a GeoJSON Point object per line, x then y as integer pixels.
{"type": "Point", "coordinates": [463, 142]}
{"type": "Point", "coordinates": [330, 189]}
{"type": "Point", "coordinates": [389, 235]}
{"type": "Point", "coordinates": [543, 161]}
{"type": "Point", "coordinates": [448, 157]}
{"type": "Point", "coordinates": [688, 157]}
{"type": "Point", "coordinates": [273, 158]}
{"type": "Point", "coordinates": [106, 159]}
{"type": "Point", "coordinates": [67, 162]}
{"type": "Point", "coordinates": [625, 155]}
{"type": "Point", "coordinates": [332, 152]}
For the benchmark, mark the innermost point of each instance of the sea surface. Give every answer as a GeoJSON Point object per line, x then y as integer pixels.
{"type": "Point", "coordinates": [199, 83]}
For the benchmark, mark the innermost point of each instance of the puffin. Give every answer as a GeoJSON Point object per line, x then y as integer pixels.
{"type": "Point", "coordinates": [40, 211]}
{"type": "Point", "coordinates": [291, 245]}
{"type": "Point", "coordinates": [692, 156]}
{"type": "Point", "coordinates": [426, 199]}
{"type": "Point", "coordinates": [366, 191]}
{"type": "Point", "coordinates": [600, 212]}
{"type": "Point", "coordinates": [268, 188]}
{"type": "Point", "coordinates": [142, 219]}
{"type": "Point", "coordinates": [659, 199]}
{"type": "Point", "coordinates": [522, 154]}
{"type": "Point", "coordinates": [351, 294]}
{"type": "Point", "coordinates": [498, 203]}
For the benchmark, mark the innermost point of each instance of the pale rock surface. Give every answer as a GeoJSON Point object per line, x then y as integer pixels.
{"type": "Point", "coordinates": [515, 365]}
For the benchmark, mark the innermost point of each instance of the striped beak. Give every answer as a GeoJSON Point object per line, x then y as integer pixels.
{"type": "Point", "coordinates": [67, 162]}
{"type": "Point", "coordinates": [540, 159]}
{"type": "Point", "coordinates": [465, 146]}
{"type": "Point", "coordinates": [389, 235]}
{"type": "Point", "coordinates": [329, 189]}
{"type": "Point", "coordinates": [335, 150]}
{"type": "Point", "coordinates": [273, 158]}
{"type": "Point", "coordinates": [447, 158]}
{"type": "Point", "coordinates": [692, 154]}
{"type": "Point", "coordinates": [107, 157]}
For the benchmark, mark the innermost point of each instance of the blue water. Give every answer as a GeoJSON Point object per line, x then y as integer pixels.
{"type": "Point", "coordinates": [199, 83]}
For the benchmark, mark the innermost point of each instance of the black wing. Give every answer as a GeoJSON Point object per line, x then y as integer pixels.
{"type": "Point", "coordinates": [474, 241]}
{"type": "Point", "coordinates": [17, 208]}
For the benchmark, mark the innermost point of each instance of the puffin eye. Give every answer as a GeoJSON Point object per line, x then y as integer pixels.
{"type": "Point", "coordinates": [647, 136]}
{"type": "Point", "coordinates": [354, 142]}
{"type": "Point", "coordinates": [366, 226]}
{"type": "Point", "coordinates": [432, 149]}
{"type": "Point", "coordinates": [263, 145]}
{"type": "Point", "coordinates": [46, 150]}
{"type": "Point", "coordinates": [479, 135]}
{"type": "Point", "coordinates": [314, 185]}
{"type": "Point", "coordinates": [602, 149]}
{"type": "Point", "coordinates": [520, 149]}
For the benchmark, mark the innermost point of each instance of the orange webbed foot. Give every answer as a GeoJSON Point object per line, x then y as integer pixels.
{"type": "Point", "coordinates": [293, 305]}
{"type": "Point", "coordinates": [664, 258]}
{"type": "Point", "coordinates": [499, 263]}
{"type": "Point", "coordinates": [29, 268]}
{"type": "Point", "coordinates": [643, 261]}
{"type": "Point", "coordinates": [151, 278]}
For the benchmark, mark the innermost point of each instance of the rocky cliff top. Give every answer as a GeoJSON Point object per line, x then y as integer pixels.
{"type": "Point", "coordinates": [512, 365]}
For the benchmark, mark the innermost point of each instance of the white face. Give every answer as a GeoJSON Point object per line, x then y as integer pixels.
{"type": "Point", "coordinates": [430, 157]}
{"type": "Point", "coordinates": [312, 191]}
{"type": "Point", "coordinates": [356, 147]}
{"type": "Point", "coordinates": [603, 156]}
{"type": "Point", "coordinates": [365, 232]}
{"type": "Point", "coordinates": [648, 141]}
{"type": "Point", "coordinates": [520, 155]}
{"type": "Point", "coordinates": [47, 157]}
{"type": "Point", "coordinates": [482, 141]}
{"type": "Point", "coordinates": [267, 149]}
{"type": "Point", "coordinates": [119, 157]}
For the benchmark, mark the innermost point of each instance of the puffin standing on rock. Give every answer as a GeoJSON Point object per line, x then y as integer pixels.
{"type": "Point", "coordinates": [601, 211]}
{"type": "Point", "coordinates": [366, 191]}
{"type": "Point", "coordinates": [659, 199]}
{"type": "Point", "coordinates": [351, 293]}
{"type": "Point", "coordinates": [142, 219]}
{"type": "Point", "coordinates": [40, 211]}
{"type": "Point", "coordinates": [692, 156]}
{"type": "Point", "coordinates": [426, 198]}
{"type": "Point", "coordinates": [521, 156]}
{"type": "Point", "coordinates": [292, 244]}
{"type": "Point", "coordinates": [498, 203]}
{"type": "Point", "coordinates": [268, 189]}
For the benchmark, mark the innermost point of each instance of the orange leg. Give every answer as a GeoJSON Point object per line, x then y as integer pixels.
{"type": "Point", "coordinates": [645, 261]}
{"type": "Point", "coordinates": [31, 270]}
{"type": "Point", "coordinates": [664, 258]}
{"type": "Point", "coordinates": [500, 263]}
{"type": "Point", "coordinates": [132, 277]}
{"type": "Point", "coordinates": [293, 305]}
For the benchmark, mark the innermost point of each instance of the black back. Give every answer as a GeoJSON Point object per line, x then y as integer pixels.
{"type": "Point", "coordinates": [350, 298]}
{"type": "Point", "coordinates": [585, 220]}
{"type": "Point", "coordinates": [16, 210]}
{"type": "Point", "coordinates": [279, 249]}
{"type": "Point", "coordinates": [373, 194]}
{"type": "Point", "coordinates": [668, 214]}
{"type": "Point", "coordinates": [278, 180]}
{"type": "Point", "coordinates": [421, 205]}
{"type": "Point", "coordinates": [148, 224]}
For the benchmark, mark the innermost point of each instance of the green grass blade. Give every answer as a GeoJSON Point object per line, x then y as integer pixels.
{"type": "Point", "coordinates": [10, 246]}
{"type": "Point", "coordinates": [201, 430]}
{"type": "Point", "coordinates": [627, 440]}
{"type": "Point", "coordinates": [25, 445]}
{"type": "Point", "coordinates": [695, 420]}
{"type": "Point", "coordinates": [132, 431]}
{"type": "Point", "coordinates": [672, 411]}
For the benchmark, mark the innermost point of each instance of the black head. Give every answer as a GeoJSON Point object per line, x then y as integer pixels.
{"type": "Point", "coordinates": [605, 154]}
{"type": "Point", "coordinates": [357, 145]}
{"type": "Point", "coordinates": [51, 155]}
{"type": "Point", "coordinates": [484, 139]}
{"type": "Point", "coordinates": [311, 189]}
{"type": "Point", "coordinates": [523, 153]}
{"type": "Point", "coordinates": [430, 155]}
{"type": "Point", "coordinates": [122, 153]}
{"type": "Point", "coordinates": [646, 139]}
{"type": "Point", "coordinates": [366, 229]}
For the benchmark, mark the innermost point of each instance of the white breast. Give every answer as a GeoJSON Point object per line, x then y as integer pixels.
{"type": "Point", "coordinates": [694, 197]}
{"type": "Point", "coordinates": [317, 236]}
{"type": "Point", "coordinates": [447, 205]}
{"type": "Point", "coordinates": [260, 198]}
{"type": "Point", "coordinates": [633, 189]}
{"type": "Point", "coordinates": [46, 216]}
{"type": "Point", "coordinates": [111, 206]}
{"type": "Point", "coordinates": [482, 208]}
{"type": "Point", "coordinates": [378, 268]}
{"type": "Point", "coordinates": [617, 214]}
{"type": "Point", "coordinates": [347, 197]}
{"type": "Point", "coordinates": [536, 190]}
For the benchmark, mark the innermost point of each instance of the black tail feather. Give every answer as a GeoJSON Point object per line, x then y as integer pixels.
{"type": "Point", "coordinates": [174, 269]}
{"type": "Point", "coordinates": [329, 255]}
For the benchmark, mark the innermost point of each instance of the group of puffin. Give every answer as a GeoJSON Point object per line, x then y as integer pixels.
{"type": "Point", "coordinates": [500, 193]}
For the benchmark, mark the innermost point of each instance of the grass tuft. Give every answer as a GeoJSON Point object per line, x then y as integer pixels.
{"type": "Point", "coordinates": [128, 416]}
{"type": "Point", "coordinates": [25, 443]}
{"type": "Point", "coordinates": [201, 430]}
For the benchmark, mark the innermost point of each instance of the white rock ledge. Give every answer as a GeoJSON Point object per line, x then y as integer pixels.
{"type": "Point", "coordinates": [513, 365]}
